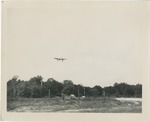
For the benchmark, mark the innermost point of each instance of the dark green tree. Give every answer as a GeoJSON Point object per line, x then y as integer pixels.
{"type": "Point", "coordinates": [99, 89]}
{"type": "Point", "coordinates": [68, 87]}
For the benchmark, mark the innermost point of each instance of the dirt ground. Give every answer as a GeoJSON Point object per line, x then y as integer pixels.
{"type": "Point", "coordinates": [97, 105]}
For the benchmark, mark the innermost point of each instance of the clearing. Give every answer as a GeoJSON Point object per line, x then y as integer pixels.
{"type": "Point", "coordinates": [97, 105]}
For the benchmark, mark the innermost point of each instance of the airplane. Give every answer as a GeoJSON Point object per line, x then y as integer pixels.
{"type": "Point", "coordinates": [62, 59]}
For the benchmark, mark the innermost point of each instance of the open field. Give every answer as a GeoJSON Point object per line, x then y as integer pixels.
{"type": "Point", "coordinates": [97, 105]}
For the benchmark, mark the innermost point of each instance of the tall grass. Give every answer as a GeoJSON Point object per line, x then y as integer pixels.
{"type": "Point", "coordinates": [104, 105]}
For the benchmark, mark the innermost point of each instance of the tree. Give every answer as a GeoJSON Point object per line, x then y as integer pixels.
{"type": "Point", "coordinates": [67, 82]}
{"type": "Point", "coordinates": [56, 88]}
{"type": "Point", "coordinates": [110, 91]}
{"type": "Point", "coordinates": [68, 87]}
{"type": "Point", "coordinates": [27, 90]}
{"type": "Point", "coordinates": [12, 88]}
{"type": "Point", "coordinates": [94, 92]}
{"type": "Point", "coordinates": [130, 91]}
{"type": "Point", "coordinates": [99, 89]}
{"type": "Point", "coordinates": [36, 87]}
{"type": "Point", "coordinates": [20, 86]}
{"type": "Point", "coordinates": [121, 89]}
{"type": "Point", "coordinates": [138, 90]}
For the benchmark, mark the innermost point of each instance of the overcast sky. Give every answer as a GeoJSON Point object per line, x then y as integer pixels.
{"type": "Point", "coordinates": [103, 42]}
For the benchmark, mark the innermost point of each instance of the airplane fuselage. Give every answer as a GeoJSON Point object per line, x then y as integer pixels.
{"type": "Point", "coordinates": [58, 59]}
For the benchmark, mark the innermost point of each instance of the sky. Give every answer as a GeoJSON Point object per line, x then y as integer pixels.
{"type": "Point", "coordinates": [103, 42]}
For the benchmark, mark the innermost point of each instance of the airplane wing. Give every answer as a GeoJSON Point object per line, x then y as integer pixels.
{"type": "Point", "coordinates": [57, 59]}
{"type": "Point", "coordinates": [60, 59]}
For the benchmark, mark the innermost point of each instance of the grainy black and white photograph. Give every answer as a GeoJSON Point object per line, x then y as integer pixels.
{"type": "Point", "coordinates": [75, 57]}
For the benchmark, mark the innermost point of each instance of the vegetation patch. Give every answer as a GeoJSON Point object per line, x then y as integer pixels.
{"type": "Point", "coordinates": [101, 105]}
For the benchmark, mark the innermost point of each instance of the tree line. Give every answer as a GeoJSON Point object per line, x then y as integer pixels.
{"type": "Point", "coordinates": [37, 88]}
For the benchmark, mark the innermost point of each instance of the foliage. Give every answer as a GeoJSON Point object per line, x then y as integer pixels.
{"type": "Point", "coordinates": [37, 88]}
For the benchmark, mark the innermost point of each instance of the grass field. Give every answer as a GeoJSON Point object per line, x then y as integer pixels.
{"type": "Point", "coordinates": [98, 105]}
